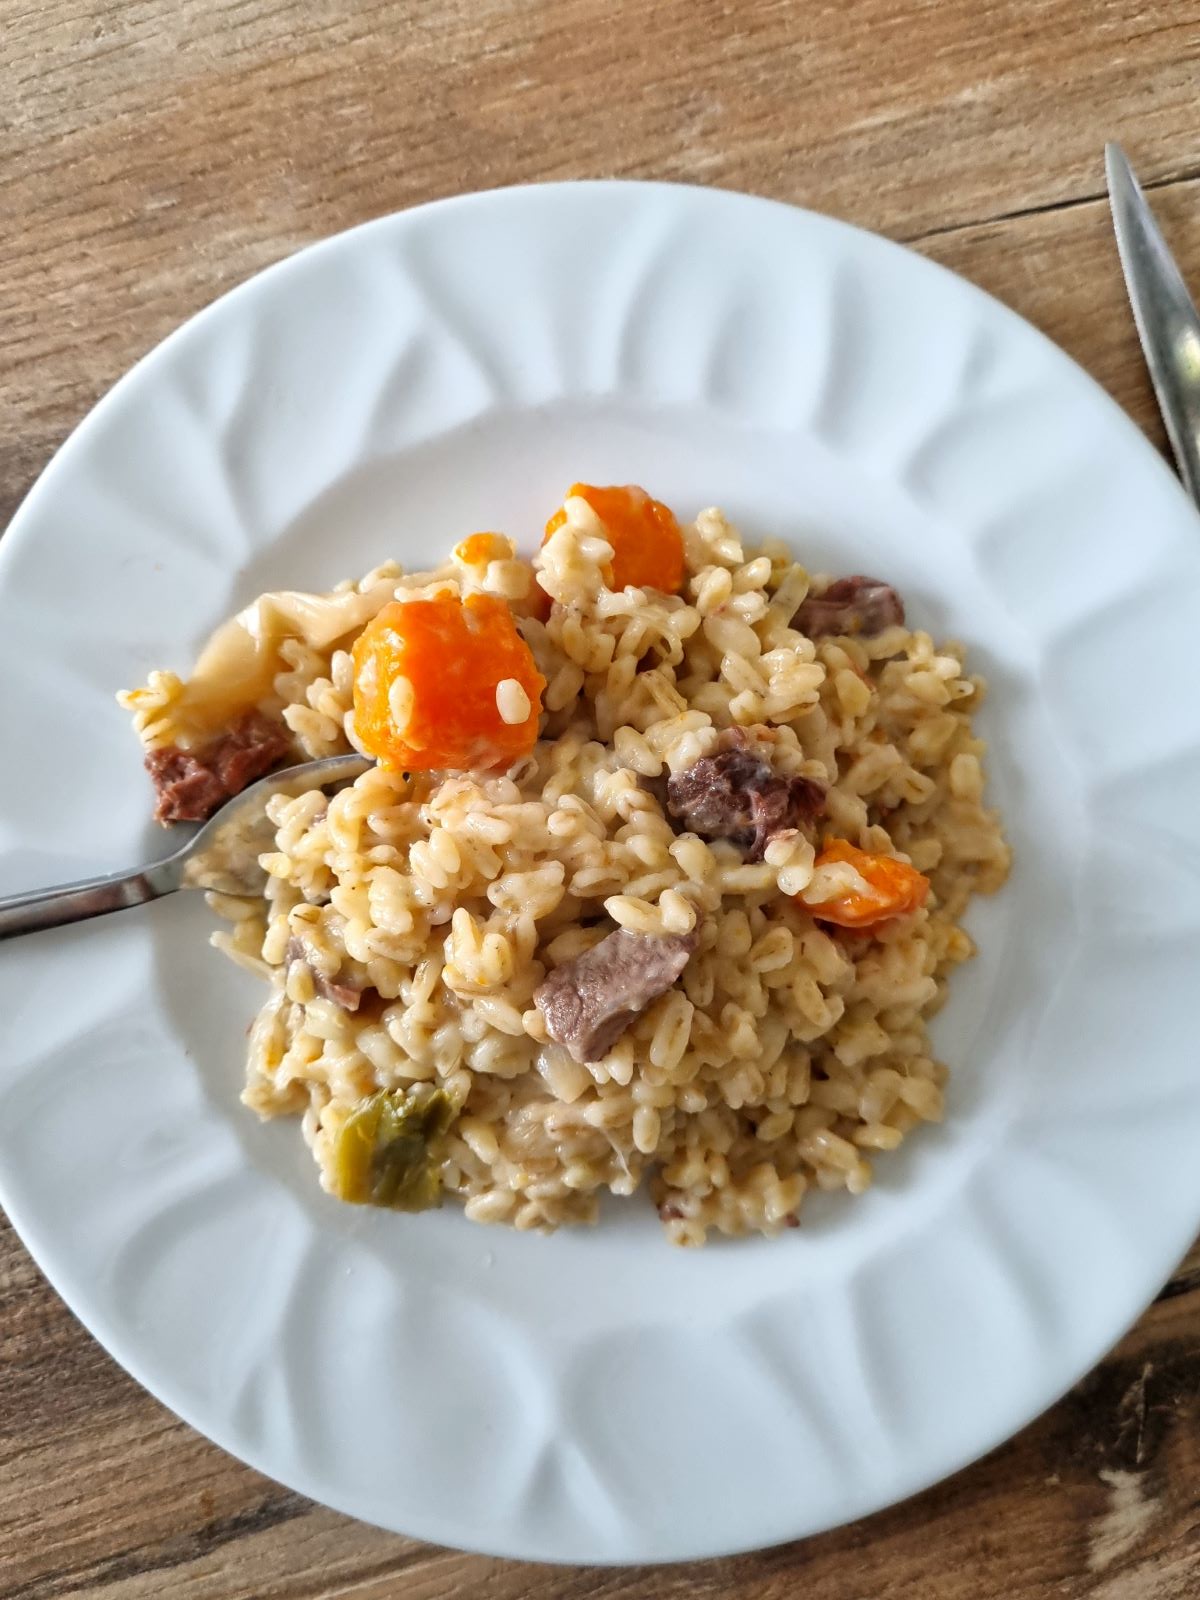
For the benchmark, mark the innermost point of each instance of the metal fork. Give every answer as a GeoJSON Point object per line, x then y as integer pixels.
{"type": "Point", "coordinates": [222, 855]}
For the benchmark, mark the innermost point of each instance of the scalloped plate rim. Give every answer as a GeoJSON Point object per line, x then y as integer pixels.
{"type": "Point", "coordinates": [43, 1249]}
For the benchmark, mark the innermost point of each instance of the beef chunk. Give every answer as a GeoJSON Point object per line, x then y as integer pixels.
{"type": "Point", "coordinates": [192, 784]}
{"type": "Point", "coordinates": [850, 606]}
{"type": "Point", "coordinates": [347, 995]}
{"type": "Point", "coordinates": [589, 1002]}
{"type": "Point", "coordinates": [187, 790]}
{"type": "Point", "coordinates": [736, 794]}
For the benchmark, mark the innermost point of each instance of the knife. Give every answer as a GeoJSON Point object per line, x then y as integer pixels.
{"type": "Point", "coordinates": [1166, 318]}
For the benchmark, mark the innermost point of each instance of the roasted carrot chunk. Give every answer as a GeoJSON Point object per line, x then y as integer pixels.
{"type": "Point", "coordinates": [478, 548]}
{"type": "Point", "coordinates": [445, 683]}
{"type": "Point", "coordinates": [892, 888]}
{"type": "Point", "coordinates": [647, 544]}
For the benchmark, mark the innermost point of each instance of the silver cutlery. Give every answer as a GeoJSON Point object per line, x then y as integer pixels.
{"type": "Point", "coordinates": [222, 855]}
{"type": "Point", "coordinates": [1166, 318]}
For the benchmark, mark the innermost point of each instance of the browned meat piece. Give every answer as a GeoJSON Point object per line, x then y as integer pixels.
{"type": "Point", "coordinates": [251, 747]}
{"type": "Point", "coordinates": [347, 995]}
{"type": "Point", "coordinates": [192, 784]}
{"type": "Point", "coordinates": [851, 606]}
{"type": "Point", "coordinates": [187, 790]}
{"type": "Point", "coordinates": [589, 1002]}
{"type": "Point", "coordinates": [736, 794]}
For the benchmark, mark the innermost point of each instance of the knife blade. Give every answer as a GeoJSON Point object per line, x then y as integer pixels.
{"type": "Point", "coordinates": [1167, 323]}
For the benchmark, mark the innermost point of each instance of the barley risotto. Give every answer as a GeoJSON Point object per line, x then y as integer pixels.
{"type": "Point", "coordinates": [655, 883]}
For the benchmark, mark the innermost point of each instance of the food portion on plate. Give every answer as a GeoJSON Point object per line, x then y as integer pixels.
{"type": "Point", "coordinates": [655, 883]}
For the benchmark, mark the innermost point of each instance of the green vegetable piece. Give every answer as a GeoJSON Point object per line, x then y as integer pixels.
{"type": "Point", "coordinates": [386, 1151]}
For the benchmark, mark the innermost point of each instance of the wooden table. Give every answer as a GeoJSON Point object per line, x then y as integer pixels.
{"type": "Point", "coordinates": [154, 153]}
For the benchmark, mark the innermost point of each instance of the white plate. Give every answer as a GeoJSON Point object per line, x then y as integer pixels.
{"type": "Point", "coordinates": [598, 1396]}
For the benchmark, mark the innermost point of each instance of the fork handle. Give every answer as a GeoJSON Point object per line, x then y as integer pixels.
{"type": "Point", "coordinates": [90, 897]}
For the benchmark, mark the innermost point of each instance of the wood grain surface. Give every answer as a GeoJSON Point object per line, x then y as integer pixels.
{"type": "Point", "coordinates": [152, 154]}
